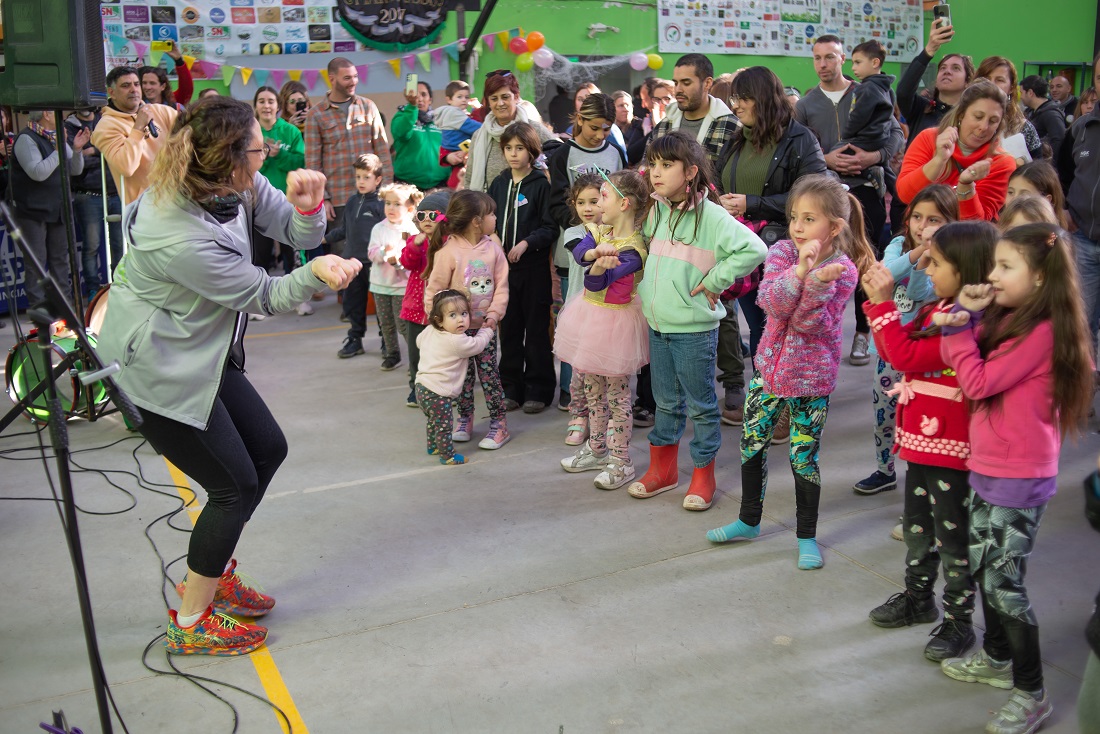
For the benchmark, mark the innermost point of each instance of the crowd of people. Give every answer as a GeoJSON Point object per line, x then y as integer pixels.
{"type": "Point", "coordinates": [621, 240]}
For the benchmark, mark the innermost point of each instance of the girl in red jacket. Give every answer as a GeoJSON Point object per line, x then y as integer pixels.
{"type": "Point", "coordinates": [1027, 372]}
{"type": "Point", "coordinates": [932, 436]}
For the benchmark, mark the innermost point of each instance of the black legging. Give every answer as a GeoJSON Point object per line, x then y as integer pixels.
{"type": "Point", "coordinates": [234, 460]}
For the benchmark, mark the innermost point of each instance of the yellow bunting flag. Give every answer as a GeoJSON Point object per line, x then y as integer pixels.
{"type": "Point", "coordinates": [395, 64]}
{"type": "Point", "coordinates": [246, 74]}
{"type": "Point", "coordinates": [503, 37]}
{"type": "Point", "coordinates": [324, 75]}
{"type": "Point", "coordinates": [294, 74]}
{"type": "Point", "coordinates": [189, 60]}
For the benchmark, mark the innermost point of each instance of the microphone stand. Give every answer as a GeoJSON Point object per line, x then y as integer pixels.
{"type": "Point", "coordinates": [54, 306]}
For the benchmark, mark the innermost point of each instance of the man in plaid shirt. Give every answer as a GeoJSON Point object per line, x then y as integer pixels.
{"type": "Point", "coordinates": [338, 130]}
{"type": "Point", "coordinates": [705, 118]}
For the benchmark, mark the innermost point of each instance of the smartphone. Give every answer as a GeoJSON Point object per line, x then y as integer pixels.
{"type": "Point", "coordinates": [301, 105]}
{"type": "Point", "coordinates": [161, 45]}
{"type": "Point", "coordinates": [942, 14]}
{"type": "Point", "coordinates": [411, 80]}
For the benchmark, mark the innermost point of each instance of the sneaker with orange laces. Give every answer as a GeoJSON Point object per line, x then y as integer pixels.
{"type": "Point", "coordinates": [214, 634]}
{"type": "Point", "coordinates": [234, 596]}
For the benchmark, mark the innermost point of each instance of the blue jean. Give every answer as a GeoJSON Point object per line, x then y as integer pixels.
{"type": "Point", "coordinates": [1087, 253]}
{"type": "Point", "coordinates": [565, 375]}
{"type": "Point", "coordinates": [682, 371]}
{"type": "Point", "coordinates": [755, 318]}
{"type": "Point", "coordinates": [89, 216]}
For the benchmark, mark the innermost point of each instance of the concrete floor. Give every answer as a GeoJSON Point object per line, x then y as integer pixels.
{"type": "Point", "coordinates": [505, 595]}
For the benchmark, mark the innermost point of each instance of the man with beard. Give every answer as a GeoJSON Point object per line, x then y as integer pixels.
{"type": "Point", "coordinates": [416, 142]}
{"type": "Point", "coordinates": [702, 116]}
{"type": "Point", "coordinates": [130, 133]}
{"type": "Point", "coordinates": [338, 129]}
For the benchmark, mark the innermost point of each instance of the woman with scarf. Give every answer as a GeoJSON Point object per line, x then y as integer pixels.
{"type": "Point", "coordinates": [504, 107]}
{"type": "Point", "coordinates": [176, 323]}
{"type": "Point", "coordinates": [36, 192]}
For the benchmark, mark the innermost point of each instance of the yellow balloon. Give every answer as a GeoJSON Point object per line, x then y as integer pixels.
{"type": "Point", "coordinates": [655, 61]}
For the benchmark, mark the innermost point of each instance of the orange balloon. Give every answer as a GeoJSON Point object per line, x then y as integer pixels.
{"type": "Point", "coordinates": [535, 41]}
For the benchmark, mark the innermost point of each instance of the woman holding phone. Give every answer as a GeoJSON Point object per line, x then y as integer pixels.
{"type": "Point", "coordinates": [294, 103]}
{"type": "Point", "coordinates": [954, 72]}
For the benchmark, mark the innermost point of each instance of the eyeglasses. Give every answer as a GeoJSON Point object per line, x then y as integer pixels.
{"type": "Point", "coordinates": [266, 150]}
{"type": "Point", "coordinates": [663, 100]}
{"type": "Point", "coordinates": [428, 216]}
{"type": "Point", "coordinates": [735, 98]}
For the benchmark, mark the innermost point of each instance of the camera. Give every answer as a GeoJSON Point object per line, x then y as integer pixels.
{"type": "Point", "coordinates": [942, 14]}
{"type": "Point", "coordinates": [301, 105]}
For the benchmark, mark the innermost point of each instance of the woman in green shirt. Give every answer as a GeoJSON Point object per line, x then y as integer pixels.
{"type": "Point", "coordinates": [286, 152]}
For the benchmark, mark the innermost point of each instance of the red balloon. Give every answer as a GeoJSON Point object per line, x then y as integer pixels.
{"type": "Point", "coordinates": [518, 45]}
{"type": "Point", "coordinates": [535, 41]}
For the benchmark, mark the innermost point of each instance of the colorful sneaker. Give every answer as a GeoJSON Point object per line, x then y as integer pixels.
{"type": "Point", "coordinates": [214, 634]}
{"type": "Point", "coordinates": [615, 474]}
{"type": "Point", "coordinates": [978, 667]}
{"type": "Point", "coordinates": [1022, 714]}
{"type": "Point", "coordinates": [584, 460]}
{"type": "Point", "coordinates": [461, 433]}
{"type": "Point", "coordinates": [577, 431]}
{"type": "Point", "coordinates": [498, 436]}
{"type": "Point", "coordinates": [234, 596]}
{"type": "Point", "coordinates": [453, 461]}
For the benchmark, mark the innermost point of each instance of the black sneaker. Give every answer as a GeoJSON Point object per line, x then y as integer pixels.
{"type": "Point", "coordinates": [410, 402]}
{"type": "Point", "coordinates": [903, 610]}
{"type": "Point", "coordinates": [390, 363]}
{"type": "Point", "coordinates": [643, 418]}
{"type": "Point", "coordinates": [951, 639]}
{"type": "Point", "coordinates": [352, 346]}
{"type": "Point", "coordinates": [563, 400]}
{"type": "Point", "coordinates": [734, 398]}
{"type": "Point", "coordinates": [877, 482]}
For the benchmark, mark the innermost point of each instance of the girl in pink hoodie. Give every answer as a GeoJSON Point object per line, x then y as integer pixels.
{"type": "Point", "coordinates": [1021, 349]}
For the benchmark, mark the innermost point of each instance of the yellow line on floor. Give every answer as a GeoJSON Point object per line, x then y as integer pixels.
{"type": "Point", "coordinates": [270, 678]}
{"type": "Point", "coordinates": [290, 333]}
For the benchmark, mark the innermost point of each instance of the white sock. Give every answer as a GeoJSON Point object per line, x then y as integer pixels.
{"type": "Point", "coordinates": [189, 620]}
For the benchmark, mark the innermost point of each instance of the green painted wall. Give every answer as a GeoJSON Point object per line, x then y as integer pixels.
{"type": "Point", "coordinates": [1018, 29]}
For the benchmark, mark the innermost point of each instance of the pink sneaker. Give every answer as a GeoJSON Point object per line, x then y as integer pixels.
{"type": "Point", "coordinates": [461, 433]}
{"type": "Point", "coordinates": [498, 436]}
{"type": "Point", "coordinates": [577, 431]}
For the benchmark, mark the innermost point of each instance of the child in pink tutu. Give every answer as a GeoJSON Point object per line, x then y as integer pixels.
{"type": "Point", "coordinates": [602, 332]}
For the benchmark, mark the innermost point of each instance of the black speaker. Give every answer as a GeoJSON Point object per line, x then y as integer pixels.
{"type": "Point", "coordinates": [53, 55]}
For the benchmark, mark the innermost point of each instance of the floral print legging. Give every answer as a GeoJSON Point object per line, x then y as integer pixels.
{"type": "Point", "coordinates": [487, 369]}
{"type": "Point", "coordinates": [610, 418]}
{"type": "Point", "coordinates": [437, 409]}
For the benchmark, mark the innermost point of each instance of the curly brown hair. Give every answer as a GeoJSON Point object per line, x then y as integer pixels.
{"type": "Point", "coordinates": [207, 151]}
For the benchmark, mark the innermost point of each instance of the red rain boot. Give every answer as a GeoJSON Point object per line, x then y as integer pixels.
{"type": "Point", "coordinates": [700, 494]}
{"type": "Point", "coordinates": [662, 474]}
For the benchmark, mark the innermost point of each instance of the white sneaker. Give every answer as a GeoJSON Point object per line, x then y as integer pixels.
{"type": "Point", "coordinates": [305, 309]}
{"type": "Point", "coordinates": [257, 316]}
{"type": "Point", "coordinates": [584, 460]}
{"type": "Point", "coordinates": [615, 474]}
{"type": "Point", "coordinates": [898, 533]}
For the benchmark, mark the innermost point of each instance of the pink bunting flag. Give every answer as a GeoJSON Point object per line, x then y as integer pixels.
{"type": "Point", "coordinates": [140, 49]}
{"type": "Point", "coordinates": [309, 77]}
{"type": "Point", "coordinates": [277, 78]}
{"type": "Point", "coordinates": [410, 61]}
{"type": "Point", "coordinates": [437, 56]}
{"type": "Point", "coordinates": [490, 41]}
{"type": "Point", "coordinates": [364, 72]}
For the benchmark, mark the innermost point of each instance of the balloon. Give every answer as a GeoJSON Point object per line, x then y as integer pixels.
{"type": "Point", "coordinates": [517, 45]}
{"type": "Point", "coordinates": [638, 61]}
{"type": "Point", "coordinates": [524, 62]}
{"type": "Point", "coordinates": [654, 61]}
{"type": "Point", "coordinates": [535, 41]}
{"type": "Point", "coordinates": [544, 58]}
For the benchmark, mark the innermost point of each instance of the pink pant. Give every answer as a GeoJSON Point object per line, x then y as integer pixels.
{"type": "Point", "coordinates": [610, 421]}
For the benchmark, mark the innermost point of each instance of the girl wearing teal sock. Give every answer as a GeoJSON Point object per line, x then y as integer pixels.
{"type": "Point", "coordinates": [807, 281]}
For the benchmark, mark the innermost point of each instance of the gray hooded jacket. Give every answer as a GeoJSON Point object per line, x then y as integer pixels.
{"type": "Point", "coordinates": [176, 304]}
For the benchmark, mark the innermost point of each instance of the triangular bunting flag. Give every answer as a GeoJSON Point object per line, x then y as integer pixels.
{"type": "Point", "coordinates": [309, 77]}
{"type": "Point", "coordinates": [189, 60]}
{"type": "Point", "coordinates": [277, 78]}
{"type": "Point", "coordinates": [521, 32]}
{"type": "Point", "coordinates": [437, 55]}
{"type": "Point", "coordinates": [503, 37]}
{"type": "Point", "coordinates": [155, 57]}
{"type": "Point", "coordinates": [489, 41]}
{"type": "Point", "coordinates": [364, 72]}
{"type": "Point", "coordinates": [324, 75]}
{"type": "Point", "coordinates": [294, 74]}
{"type": "Point", "coordinates": [410, 61]}
{"type": "Point", "coordinates": [140, 49]}
{"type": "Point", "coordinates": [228, 71]}
{"type": "Point", "coordinates": [395, 64]}
{"type": "Point", "coordinates": [425, 60]}
{"type": "Point", "coordinates": [246, 74]}
{"type": "Point", "coordinates": [515, 32]}
{"type": "Point", "coordinates": [205, 70]}
{"type": "Point", "coordinates": [261, 77]}
{"type": "Point", "coordinates": [452, 51]}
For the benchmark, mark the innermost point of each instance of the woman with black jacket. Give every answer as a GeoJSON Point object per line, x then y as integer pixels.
{"type": "Point", "coordinates": [756, 170]}
{"type": "Point", "coordinates": [954, 72]}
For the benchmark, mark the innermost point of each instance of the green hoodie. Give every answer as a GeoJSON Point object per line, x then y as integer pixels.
{"type": "Point", "coordinates": [416, 150]}
{"type": "Point", "coordinates": [291, 155]}
{"type": "Point", "coordinates": [721, 251]}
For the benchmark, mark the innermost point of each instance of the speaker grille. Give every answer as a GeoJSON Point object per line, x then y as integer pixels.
{"type": "Point", "coordinates": [93, 37]}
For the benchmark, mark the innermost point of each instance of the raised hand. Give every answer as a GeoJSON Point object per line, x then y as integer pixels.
{"type": "Point", "coordinates": [976, 297]}
{"type": "Point", "coordinates": [81, 138]}
{"type": "Point", "coordinates": [975, 172]}
{"type": "Point", "coordinates": [877, 282]}
{"type": "Point", "coordinates": [945, 143]}
{"type": "Point", "coordinates": [959, 318]}
{"type": "Point", "coordinates": [807, 256]}
{"type": "Point", "coordinates": [141, 119]}
{"type": "Point", "coordinates": [305, 189]}
{"type": "Point", "coordinates": [605, 250]}
{"type": "Point", "coordinates": [335, 270]}
{"type": "Point", "coordinates": [941, 33]}
{"type": "Point", "coordinates": [830, 272]}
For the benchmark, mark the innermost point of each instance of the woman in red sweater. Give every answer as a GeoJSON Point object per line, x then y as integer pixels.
{"type": "Point", "coordinates": [964, 152]}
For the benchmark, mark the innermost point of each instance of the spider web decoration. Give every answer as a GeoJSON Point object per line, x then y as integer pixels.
{"type": "Point", "coordinates": [571, 74]}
